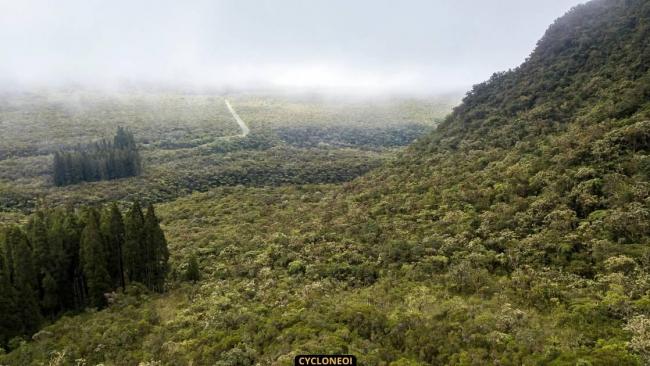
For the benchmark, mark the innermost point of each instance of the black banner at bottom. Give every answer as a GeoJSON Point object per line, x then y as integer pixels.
{"type": "Point", "coordinates": [325, 360]}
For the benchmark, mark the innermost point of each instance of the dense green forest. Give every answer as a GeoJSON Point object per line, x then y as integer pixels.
{"type": "Point", "coordinates": [102, 160]}
{"type": "Point", "coordinates": [185, 143]}
{"type": "Point", "coordinates": [64, 260]}
{"type": "Point", "coordinates": [516, 233]}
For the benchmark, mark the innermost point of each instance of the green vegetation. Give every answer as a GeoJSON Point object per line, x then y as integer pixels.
{"type": "Point", "coordinates": [189, 143]}
{"type": "Point", "coordinates": [63, 261]}
{"type": "Point", "coordinates": [74, 117]}
{"type": "Point", "coordinates": [516, 233]}
{"type": "Point", "coordinates": [100, 161]}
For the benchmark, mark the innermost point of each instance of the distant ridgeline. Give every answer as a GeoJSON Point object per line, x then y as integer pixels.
{"type": "Point", "coordinates": [98, 161]}
{"type": "Point", "coordinates": [65, 260]}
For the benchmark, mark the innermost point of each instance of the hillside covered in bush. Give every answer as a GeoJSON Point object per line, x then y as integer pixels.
{"type": "Point", "coordinates": [516, 233]}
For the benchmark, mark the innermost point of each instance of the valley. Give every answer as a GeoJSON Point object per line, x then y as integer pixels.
{"type": "Point", "coordinates": [183, 148]}
{"type": "Point", "coordinates": [511, 227]}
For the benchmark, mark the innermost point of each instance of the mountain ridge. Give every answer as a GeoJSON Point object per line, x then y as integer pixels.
{"type": "Point", "coordinates": [516, 233]}
{"type": "Point", "coordinates": [595, 47]}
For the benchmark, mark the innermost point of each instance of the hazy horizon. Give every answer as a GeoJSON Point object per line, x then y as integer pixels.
{"type": "Point", "coordinates": [355, 47]}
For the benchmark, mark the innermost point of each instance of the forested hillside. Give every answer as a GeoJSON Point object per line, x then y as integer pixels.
{"type": "Point", "coordinates": [517, 233]}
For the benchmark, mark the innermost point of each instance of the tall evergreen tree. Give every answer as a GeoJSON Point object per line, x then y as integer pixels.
{"type": "Point", "coordinates": [73, 285]}
{"type": "Point", "coordinates": [37, 234]}
{"type": "Point", "coordinates": [10, 322]}
{"type": "Point", "coordinates": [112, 227]}
{"type": "Point", "coordinates": [43, 261]}
{"type": "Point", "coordinates": [156, 250]}
{"type": "Point", "coordinates": [59, 169]}
{"type": "Point", "coordinates": [93, 261]}
{"type": "Point", "coordinates": [124, 139]}
{"type": "Point", "coordinates": [57, 288]}
{"type": "Point", "coordinates": [24, 279]}
{"type": "Point", "coordinates": [133, 253]}
{"type": "Point", "coordinates": [50, 297]}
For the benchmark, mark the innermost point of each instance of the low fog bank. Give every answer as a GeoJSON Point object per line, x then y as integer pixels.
{"type": "Point", "coordinates": [130, 88]}
{"type": "Point", "coordinates": [291, 82]}
{"type": "Point", "coordinates": [364, 47]}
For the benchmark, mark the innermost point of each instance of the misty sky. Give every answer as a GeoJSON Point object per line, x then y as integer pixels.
{"type": "Point", "coordinates": [350, 45]}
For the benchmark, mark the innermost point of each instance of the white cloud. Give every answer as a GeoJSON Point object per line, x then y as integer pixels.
{"type": "Point", "coordinates": [361, 45]}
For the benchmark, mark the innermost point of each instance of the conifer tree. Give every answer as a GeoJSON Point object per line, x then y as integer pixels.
{"type": "Point", "coordinates": [10, 322]}
{"type": "Point", "coordinates": [59, 263]}
{"type": "Point", "coordinates": [73, 286]}
{"type": "Point", "coordinates": [50, 300]}
{"type": "Point", "coordinates": [112, 227]}
{"type": "Point", "coordinates": [24, 279]}
{"type": "Point", "coordinates": [59, 169]}
{"type": "Point", "coordinates": [157, 251]}
{"type": "Point", "coordinates": [133, 253]}
{"type": "Point", "coordinates": [37, 233]}
{"type": "Point", "coordinates": [124, 139]}
{"type": "Point", "coordinates": [93, 261]}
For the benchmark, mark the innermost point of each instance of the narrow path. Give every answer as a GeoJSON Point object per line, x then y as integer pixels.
{"type": "Point", "coordinates": [242, 125]}
{"type": "Point", "coordinates": [244, 128]}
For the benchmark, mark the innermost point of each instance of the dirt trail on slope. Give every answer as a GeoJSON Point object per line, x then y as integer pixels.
{"type": "Point", "coordinates": [242, 125]}
{"type": "Point", "coordinates": [244, 128]}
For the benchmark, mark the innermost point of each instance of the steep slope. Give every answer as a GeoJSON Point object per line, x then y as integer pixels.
{"type": "Point", "coordinates": [550, 157]}
{"type": "Point", "coordinates": [591, 66]}
{"type": "Point", "coordinates": [517, 233]}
